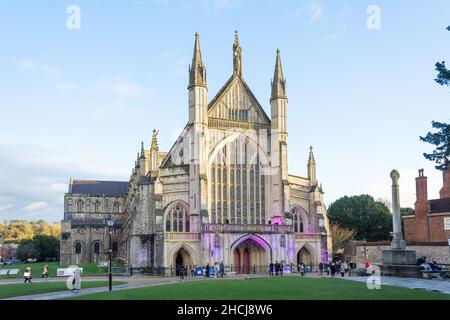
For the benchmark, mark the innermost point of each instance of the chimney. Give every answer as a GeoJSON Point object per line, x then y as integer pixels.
{"type": "Point", "coordinates": [445, 191]}
{"type": "Point", "coordinates": [421, 188]}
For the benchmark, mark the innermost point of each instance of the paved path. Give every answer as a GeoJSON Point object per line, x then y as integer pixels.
{"type": "Point", "coordinates": [412, 283]}
{"type": "Point", "coordinates": [132, 283]}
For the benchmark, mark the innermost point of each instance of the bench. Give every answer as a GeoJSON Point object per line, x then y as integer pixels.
{"type": "Point", "coordinates": [429, 274]}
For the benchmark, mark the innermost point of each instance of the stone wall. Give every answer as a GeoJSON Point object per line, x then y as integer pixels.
{"type": "Point", "coordinates": [372, 250]}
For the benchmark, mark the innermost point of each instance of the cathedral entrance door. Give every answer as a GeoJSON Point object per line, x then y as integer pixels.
{"type": "Point", "coordinates": [305, 256]}
{"type": "Point", "coordinates": [182, 258]}
{"type": "Point", "coordinates": [251, 253]}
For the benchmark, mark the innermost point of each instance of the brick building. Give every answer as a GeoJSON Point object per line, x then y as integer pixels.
{"type": "Point", "coordinates": [430, 220]}
{"type": "Point", "coordinates": [8, 251]}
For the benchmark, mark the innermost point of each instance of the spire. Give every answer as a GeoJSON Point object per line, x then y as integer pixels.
{"type": "Point", "coordinates": [237, 56]}
{"type": "Point", "coordinates": [278, 82]}
{"type": "Point", "coordinates": [312, 167]}
{"type": "Point", "coordinates": [197, 71]}
{"type": "Point", "coordinates": [155, 140]}
{"type": "Point", "coordinates": [311, 159]}
{"type": "Point", "coordinates": [142, 150]}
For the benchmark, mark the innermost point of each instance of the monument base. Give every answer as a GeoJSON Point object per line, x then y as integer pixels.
{"type": "Point", "coordinates": [398, 257]}
{"type": "Point", "coordinates": [399, 263]}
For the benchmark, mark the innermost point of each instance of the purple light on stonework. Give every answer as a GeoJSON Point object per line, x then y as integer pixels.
{"type": "Point", "coordinates": [277, 220]}
{"type": "Point", "coordinates": [324, 255]}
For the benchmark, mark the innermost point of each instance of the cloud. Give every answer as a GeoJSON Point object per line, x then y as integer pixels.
{"type": "Point", "coordinates": [36, 206]}
{"type": "Point", "coordinates": [6, 207]}
{"type": "Point", "coordinates": [45, 69]}
{"type": "Point", "coordinates": [59, 187]}
{"type": "Point", "coordinates": [122, 88]}
{"type": "Point", "coordinates": [316, 13]}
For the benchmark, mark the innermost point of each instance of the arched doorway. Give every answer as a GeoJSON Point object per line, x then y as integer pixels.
{"type": "Point", "coordinates": [181, 258]}
{"type": "Point", "coordinates": [305, 256]}
{"type": "Point", "coordinates": [249, 254]}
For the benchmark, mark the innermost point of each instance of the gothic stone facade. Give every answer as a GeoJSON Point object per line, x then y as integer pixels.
{"type": "Point", "coordinates": [222, 192]}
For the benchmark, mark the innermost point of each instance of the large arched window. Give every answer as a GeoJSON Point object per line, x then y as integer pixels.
{"type": "Point", "coordinates": [79, 205]}
{"type": "Point", "coordinates": [77, 248]}
{"type": "Point", "coordinates": [116, 207]}
{"type": "Point", "coordinates": [97, 247]}
{"type": "Point", "coordinates": [299, 219]}
{"type": "Point", "coordinates": [237, 184]}
{"type": "Point", "coordinates": [97, 206]}
{"type": "Point", "coordinates": [177, 218]}
{"type": "Point", "coordinates": [115, 247]}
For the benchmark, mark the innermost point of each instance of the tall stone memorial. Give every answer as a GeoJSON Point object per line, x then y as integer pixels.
{"type": "Point", "coordinates": [398, 261]}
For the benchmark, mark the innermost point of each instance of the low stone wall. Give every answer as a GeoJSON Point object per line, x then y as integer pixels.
{"type": "Point", "coordinates": [372, 250]}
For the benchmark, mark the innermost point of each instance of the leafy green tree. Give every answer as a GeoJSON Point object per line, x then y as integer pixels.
{"type": "Point", "coordinates": [27, 250]}
{"type": "Point", "coordinates": [406, 211]}
{"type": "Point", "coordinates": [370, 219]}
{"type": "Point", "coordinates": [443, 77]}
{"type": "Point", "coordinates": [47, 246]}
{"type": "Point", "coordinates": [441, 139]}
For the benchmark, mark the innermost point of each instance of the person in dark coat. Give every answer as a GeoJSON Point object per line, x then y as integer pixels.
{"type": "Point", "coordinates": [333, 269]}
{"type": "Point", "coordinates": [207, 271]}
{"type": "Point", "coordinates": [271, 269]}
{"type": "Point", "coordinates": [321, 268]}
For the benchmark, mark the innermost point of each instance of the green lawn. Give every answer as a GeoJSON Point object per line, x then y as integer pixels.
{"type": "Point", "coordinates": [286, 288]}
{"type": "Point", "coordinates": [88, 269]}
{"type": "Point", "coordinates": [24, 289]}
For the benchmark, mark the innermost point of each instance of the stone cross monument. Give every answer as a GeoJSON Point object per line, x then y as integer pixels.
{"type": "Point", "coordinates": [397, 261]}
{"type": "Point", "coordinates": [397, 243]}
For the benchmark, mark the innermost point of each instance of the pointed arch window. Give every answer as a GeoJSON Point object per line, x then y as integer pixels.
{"type": "Point", "coordinates": [79, 205]}
{"type": "Point", "coordinates": [177, 218]}
{"type": "Point", "coordinates": [299, 219]}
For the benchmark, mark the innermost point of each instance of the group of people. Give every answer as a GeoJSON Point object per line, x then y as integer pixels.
{"type": "Point", "coordinates": [218, 270]}
{"type": "Point", "coordinates": [340, 267]}
{"type": "Point", "coordinates": [428, 266]}
{"type": "Point", "coordinates": [276, 269]}
{"type": "Point", "coordinates": [28, 274]}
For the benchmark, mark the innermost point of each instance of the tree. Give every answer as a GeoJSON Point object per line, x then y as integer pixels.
{"type": "Point", "coordinates": [370, 219]}
{"type": "Point", "coordinates": [47, 246]}
{"type": "Point", "coordinates": [406, 211]}
{"type": "Point", "coordinates": [27, 250]}
{"type": "Point", "coordinates": [340, 236]}
{"type": "Point", "coordinates": [443, 77]}
{"type": "Point", "coordinates": [441, 139]}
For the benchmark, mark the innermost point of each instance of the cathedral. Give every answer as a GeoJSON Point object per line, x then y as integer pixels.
{"type": "Point", "coordinates": [221, 193]}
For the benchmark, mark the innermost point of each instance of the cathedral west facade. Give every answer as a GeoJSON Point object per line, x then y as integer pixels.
{"type": "Point", "coordinates": [221, 193]}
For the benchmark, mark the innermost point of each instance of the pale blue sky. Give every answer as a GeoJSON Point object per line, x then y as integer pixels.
{"type": "Point", "coordinates": [77, 103]}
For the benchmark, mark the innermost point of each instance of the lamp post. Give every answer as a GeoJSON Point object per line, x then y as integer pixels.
{"type": "Point", "coordinates": [110, 223]}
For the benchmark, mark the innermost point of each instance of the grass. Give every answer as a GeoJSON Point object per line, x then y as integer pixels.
{"type": "Point", "coordinates": [286, 288]}
{"type": "Point", "coordinates": [25, 289]}
{"type": "Point", "coordinates": [88, 269]}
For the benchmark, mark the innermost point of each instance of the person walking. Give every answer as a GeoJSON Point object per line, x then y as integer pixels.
{"type": "Point", "coordinates": [207, 271]}
{"type": "Point", "coordinates": [216, 270]}
{"type": "Point", "coordinates": [181, 272]}
{"type": "Point", "coordinates": [320, 268]}
{"type": "Point", "coordinates": [222, 269]}
{"type": "Point", "coordinates": [45, 272]}
{"type": "Point", "coordinates": [281, 268]}
{"type": "Point", "coordinates": [302, 269]}
{"type": "Point", "coordinates": [271, 269]}
{"type": "Point", "coordinates": [27, 275]}
{"type": "Point", "coordinates": [345, 265]}
{"type": "Point", "coordinates": [332, 269]}
{"type": "Point", "coordinates": [367, 264]}
{"type": "Point", "coordinates": [342, 269]}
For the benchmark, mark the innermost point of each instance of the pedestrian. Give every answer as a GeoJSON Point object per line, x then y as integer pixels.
{"type": "Point", "coordinates": [342, 269]}
{"type": "Point", "coordinates": [222, 269]}
{"type": "Point", "coordinates": [367, 264]}
{"type": "Point", "coordinates": [320, 268]}
{"type": "Point", "coordinates": [216, 270]}
{"type": "Point", "coordinates": [27, 275]}
{"type": "Point", "coordinates": [45, 272]}
{"type": "Point", "coordinates": [271, 269]}
{"type": "Point", "coordinates": [281, 268]}
{"type": "Point", "coordinates": [332, 269]}
{"type": "Point", "coordinates": [207, 271]}
{"type": "Point", "coordinates": [277, 268]}
{"type": "Point", "coordinates": [328, 269]}
{"type": "Point", "coordinates": [181, 272]}
{"type": "Point", "coordinates": [345, 265]}
{"type": "Point", "coordinates": [298, 267]}
{"type": "Point", "coordinates": [302, 269]}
